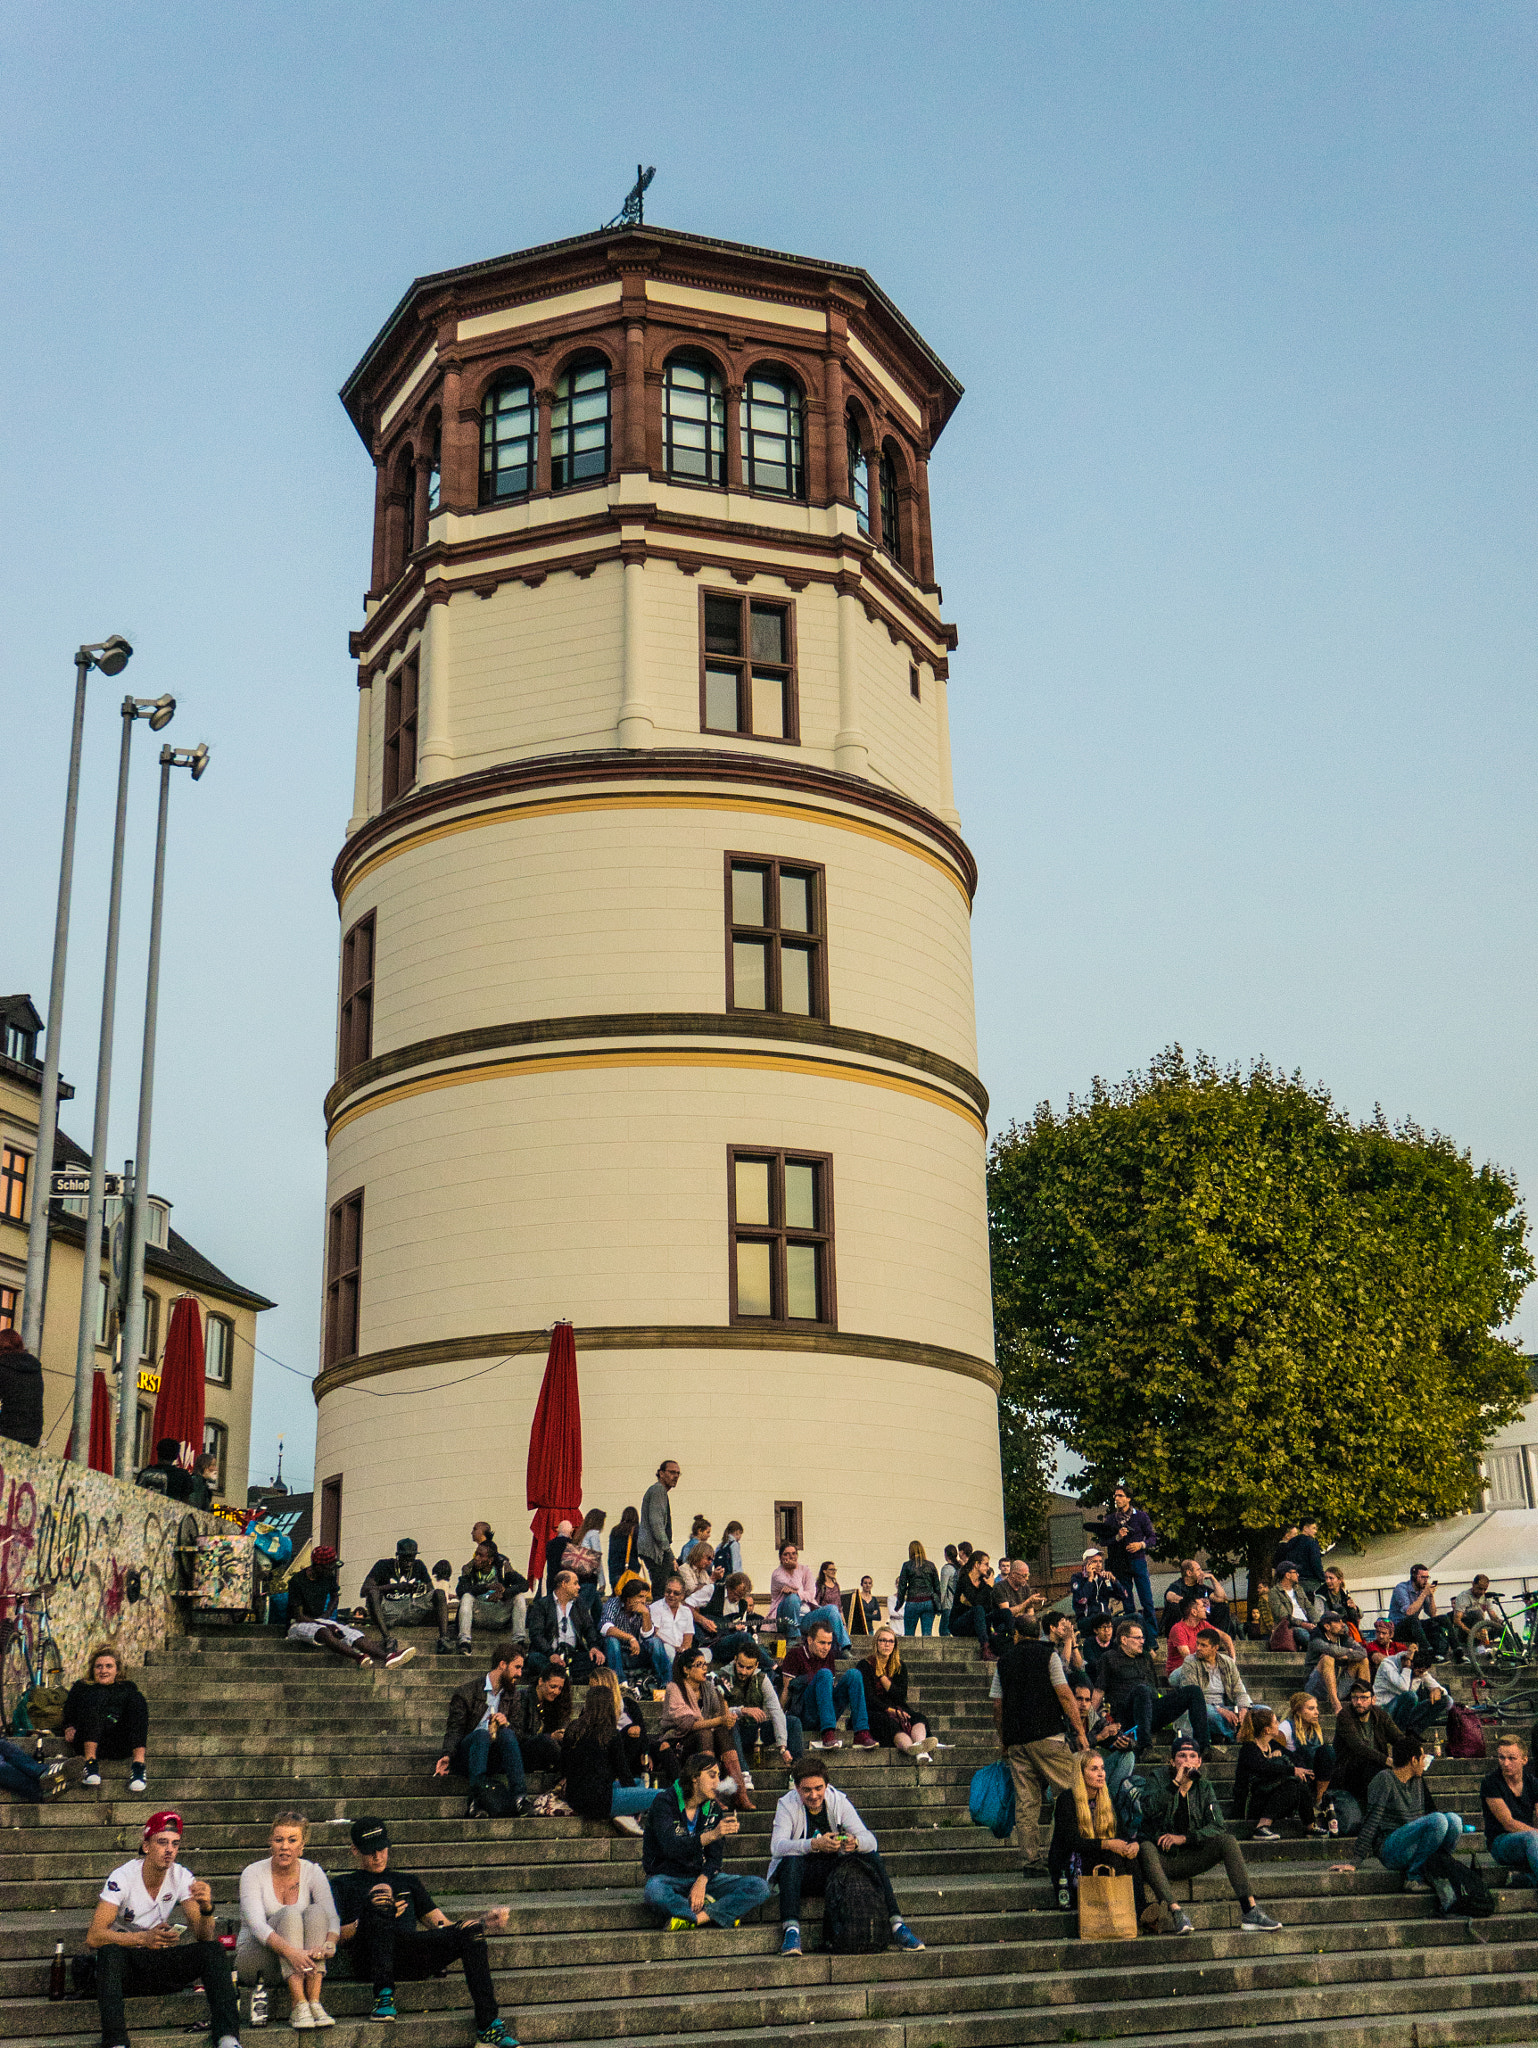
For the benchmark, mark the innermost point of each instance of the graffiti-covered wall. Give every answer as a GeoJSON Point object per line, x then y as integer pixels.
{"type": "Point", "coordinates": [107, 1554]}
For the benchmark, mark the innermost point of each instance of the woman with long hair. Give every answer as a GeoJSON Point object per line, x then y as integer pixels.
{"type": "Point", "coordinates": [589, 1537]}
{"type": "Point", "coordinates": [288, 1922]}
{"type": "Point", "coordinates": [886, 1698]}
{"type": "Point", "coordinates": [828, 1594]}
{"type": "Point", "coordinates": [1337, 1600]}
{"type": "Point", "coordinates": [1268, 1785]}
{"type": "Point", "coordinates": [624, 1550]}
{"type": "Point", "coordinates": [695, 1717]}
{"type": "Point", "coordinates": [600, 1764]}
{"type": "Point", "coordinates": [918, 1591]}
{"type": "Point", "coordinates": [1302, 1733]}
{"type": "Point", "coordinates": [972, 1603]}
{"type": "Point", "coordinates": [1087, 1831]}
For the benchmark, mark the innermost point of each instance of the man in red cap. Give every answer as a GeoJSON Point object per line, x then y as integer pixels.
{"type": "Point", "coordinates": [139, 1952]}
{"type": "Point", "coordinates": [312, 1597]}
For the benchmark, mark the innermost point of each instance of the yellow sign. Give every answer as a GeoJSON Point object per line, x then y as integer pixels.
{"type": "Point", "coordinates": [149, 1382]}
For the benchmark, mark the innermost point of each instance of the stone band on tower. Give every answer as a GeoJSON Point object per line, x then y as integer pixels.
{"type": "Point", "coordinates": [656, 994]}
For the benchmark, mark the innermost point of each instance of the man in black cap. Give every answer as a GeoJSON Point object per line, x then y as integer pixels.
{"type": "Point", "coordinates": [400, 1589]}
{"type": "Point", "coordinates": [394, 1932]}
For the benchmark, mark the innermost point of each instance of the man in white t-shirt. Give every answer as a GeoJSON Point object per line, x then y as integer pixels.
{"type": "Point", "coordinates": [673, 1619]}
{"type": "Point", "coordinates": [139, 1951]}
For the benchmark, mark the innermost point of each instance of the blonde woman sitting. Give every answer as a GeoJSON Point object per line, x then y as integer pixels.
{"type": "Point", "coordinates": [886, 1698]}
{"type": "Point", "coordinates": [288, 1922]}
{"type": "Point", "coordinates": [1087, 1831]}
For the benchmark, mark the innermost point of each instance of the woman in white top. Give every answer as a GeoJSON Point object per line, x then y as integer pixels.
{"type": "Point", "coordinates": [288, 1922]}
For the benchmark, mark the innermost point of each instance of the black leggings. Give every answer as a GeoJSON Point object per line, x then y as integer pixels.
{"type": "Point", "coordinates": [115, 1739]}
{"type": "Point", "coordinates": [384, 1956]}
{"type": "Point", "coordinates": [1291, 1799]}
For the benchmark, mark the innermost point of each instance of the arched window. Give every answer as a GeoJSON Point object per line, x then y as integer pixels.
{"type": "Point", "coordinates": [693, 422]}
{"type": "Point", "coordinates": [771, 436]}
{"type": "Point", "coordinates": [509, 436]}
{"type": "Point", "coordinates": [579, 426]}
{"type": "Point", "coordinates": [891, 525]}
{"type": "Point", "coordinates": [859, 477]}
{"type": "Point", "coordinates": [435, 472]}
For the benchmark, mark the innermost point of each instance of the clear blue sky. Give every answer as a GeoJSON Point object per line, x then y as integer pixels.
{"type": "Point", "coordinates": [1236, 519]}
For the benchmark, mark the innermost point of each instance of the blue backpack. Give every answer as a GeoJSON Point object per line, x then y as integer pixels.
{"type": "Point", "coordinates": [991, 1799]}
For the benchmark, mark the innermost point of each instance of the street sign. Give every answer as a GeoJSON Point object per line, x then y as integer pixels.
{"type": "Point", "coordinates": [77, 1181]}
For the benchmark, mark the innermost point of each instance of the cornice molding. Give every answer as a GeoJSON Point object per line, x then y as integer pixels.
{"type": "Point", "coordinates": [657, 1337]}
{"type": "Point", "coordinates": [683, 1024]}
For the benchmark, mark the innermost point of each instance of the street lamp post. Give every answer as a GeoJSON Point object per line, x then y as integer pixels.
{"type": "Point", "coordinates": [159, 711]}
{"type": "Point", "coordinates": [195, 758]}
{"type": "Point", "coordinates": [111, 657]}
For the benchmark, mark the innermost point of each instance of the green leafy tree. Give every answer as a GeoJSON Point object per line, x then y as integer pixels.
{"type": "Point", "coordinates": [1215, 1286]}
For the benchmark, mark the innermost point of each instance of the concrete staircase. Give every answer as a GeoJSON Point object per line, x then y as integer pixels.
{"type": "Point", "coordinates": [243, 1724]}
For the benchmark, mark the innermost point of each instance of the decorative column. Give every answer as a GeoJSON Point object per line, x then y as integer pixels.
{"type": "Point", "coordinates": [833, 427]}
{"type": "Point", "coordinates": [435, 753]}
{"type": "Point", "coordinates": [851, 751]}
{"type": "Point", "coordinates": [734, 437]}
{"type": "Point", "coordinates": [381, 538]}
{"type": "Point", "coordinates": [634, 454]}
{"type": "Point", "coordinates": [637, 720]}
{"type": "Point", "coordinates": [361, 758]}
{"type": "Point", "coordinates": [424, 470]}
{"type": "Point", "coordinates": [946, 807]}
{"type": "Point", "coordinates": [923, 543]}
{"type": "Point", "coordinates": [544, 400]}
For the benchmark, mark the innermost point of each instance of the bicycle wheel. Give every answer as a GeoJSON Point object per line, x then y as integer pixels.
{"type": "Point", "coordinates": [1517, 1706]}
{"type": "Point", "coordinates": [50, 1672]}
{"type": "Point", "coordinates": [15, 1677]}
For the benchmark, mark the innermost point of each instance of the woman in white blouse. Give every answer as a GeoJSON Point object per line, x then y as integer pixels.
{"type": "Point", "coordinates": [288, 1922]}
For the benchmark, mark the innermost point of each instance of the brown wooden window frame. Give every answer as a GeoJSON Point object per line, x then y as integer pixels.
{"type": "Point", "coordinates": [331, 1511]}
{"type": "Point", "coordinates": [149, 1329]}
{"type": "Point", "coordinates": [355, 1024]}
{"type": "Point", "coordinates": [780, 1235]}
{"type": "Point", "coordinates": [10, 1307]}
{"type": "Point", "coordinates": [913, 682]}
{"type": "Point", "coordinates": [227, 1377]}
{"type": "Point", "coordinates": [789, 1521]}
{"type": "Point", "coordinates": [745, 664]}
{"type": "Point", "coordinates": [344, 1290]}
{"type": "Point", "coordinates": [814, 941]}
{"type": "Point", "coordinates": [400, 740]}
{"type": "Point", "coordinates": [891, 506]}
{"type": "Point", "coordinates": [15, 1166]}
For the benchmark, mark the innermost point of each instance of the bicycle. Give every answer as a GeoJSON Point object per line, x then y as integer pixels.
{"type": "Point", "coordinates": [1515, 1647]}
{"type": "Point", "coordinates": [30, 1659]}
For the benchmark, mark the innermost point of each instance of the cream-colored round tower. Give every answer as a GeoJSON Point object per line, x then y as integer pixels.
{"type": "Point", "coordinates": [656, 993]}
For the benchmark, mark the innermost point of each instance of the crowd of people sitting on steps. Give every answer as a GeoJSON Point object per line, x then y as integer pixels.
{"type": "Point", "coordinates": [648, 1688]}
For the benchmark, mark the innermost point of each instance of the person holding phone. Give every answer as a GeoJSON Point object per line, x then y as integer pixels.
{"type": "Point", "coordinates": [392, 1930]}
{"type": "Point", "coordinates": [814, 1824]}
{"type": "Point", "coordinates": [138, 1948]}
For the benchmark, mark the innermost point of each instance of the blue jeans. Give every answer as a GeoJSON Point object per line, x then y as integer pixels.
{"type": "Point", "coordinates": [1516, 1852]}
{"type": "Point", "coordinates": [917, 1612]}
{"type": "Point", "coordinates": [824, 1698]}
{"type": "Point", "coordinates": [970, 1621]}
{"type": "Point", "coordinates": [1415, 1714]}
{"type": "Point", "coordinates": [1134, 1578]}
{"type": "Point", "coordinates": [1412, 1847]}
{"type": "Point", "coordinates": [945, 1621]}
{"type": "Point", "coordinates": [800, 1876]}
{"type": "Point", "coordinates": [633, 1799]}
{"type": "Point", "coordinates": [727, 1643]}
{"type": "Point", "coordinates": [19, 1774]}
{"type": "Point", "coordinates": [795, 1622]}
{"type": "Point", "coordinates": [727, 1899]}
{"type": "Point", "coordinates": [472, 1759]}
{"type": "Point", "coordinates": [653, 1658]}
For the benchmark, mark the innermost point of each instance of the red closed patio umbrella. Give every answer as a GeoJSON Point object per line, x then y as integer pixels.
{"type": "Point", "coordinates": [555, 1448]}
{"type": "Point", "coordinates": [99, 1457]}
{"type": "Point", "coordinates": [179, 1404]}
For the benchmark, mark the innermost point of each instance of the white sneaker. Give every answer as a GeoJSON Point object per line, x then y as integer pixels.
{"type": "Point", "coordinates": [301, 2019]}
{"type": "Point", "coordinates": [319, 2014]}
{"type": "Point", "coordinates": [628, 1824]}
{"type": "Point", "coordinates": [136, 1782]}
{"type": "Point", "coordinates": [747, 1781]}
{"type": "Point", "coordinates": [92, 1778]}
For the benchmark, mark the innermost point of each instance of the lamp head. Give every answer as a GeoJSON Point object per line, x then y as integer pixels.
{"type": "Point", "coordinates": [163, 710]}
{"type": "Point", "coordinates": [112, 656]}
{"type": "Point", "coordinates": [197, 760]}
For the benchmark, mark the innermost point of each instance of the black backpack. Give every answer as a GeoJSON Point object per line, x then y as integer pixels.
{"type": "Point", "coordinates": [854, 1920]}
{"type": "Point", "coordinates": [1472, 1896]}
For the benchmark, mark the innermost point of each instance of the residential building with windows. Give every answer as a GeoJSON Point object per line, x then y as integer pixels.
{"type": "Point", "coordinates": [655, 996]}
{"type": "Point", "coordinates": [172, 1267]}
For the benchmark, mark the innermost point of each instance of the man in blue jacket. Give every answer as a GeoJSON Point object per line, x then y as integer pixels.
{"type": "Point", "coordinates": [681, 1854]}
{"type": "Point", "coordinates": [1130, 1541]}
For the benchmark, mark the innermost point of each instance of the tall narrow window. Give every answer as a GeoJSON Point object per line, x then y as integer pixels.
{"type": "Point", "coordinates": [13, 1183]}
{"type": "Point", "coordinates": [771, 436]}
{"type": "Point", "coordinates": [216, 1439]}
{"type": "Point", "coordinates": [149, 1329]}
{"type": "Point", "coordinates": [218, 1350]}
{"type": "Point", "coordinates": [781, 1224]}
{"type": "Point", "coordinates": [787, 1524]}
{"type": "Point", "coordinates": [579, 427]}
{"type": "Point", "coordinates": [331, 1511]}
{"type": "Point", "coordinates": [774, 937]}
{"type": "Point", "coordinates": [859, 475]}
{"type": "Point", "coordinates": [747, 667]}
{"type": "Point", "coordinates": [435, 473]}
{"type": "Point", "coordinates": [891, 524]}
{"type": "Point", "coordinates": [509, 440]}
{"type": "Point", "coordinates": [10, 1307]}
{"type": "Point", "coordinates": [355, 1034]}
{"type": "Point", "coordinates": [344, 1261]}
{"type": "Point", "coordinates": [693, 423]}
{"type": "Point", "coordinates": [400, 746]}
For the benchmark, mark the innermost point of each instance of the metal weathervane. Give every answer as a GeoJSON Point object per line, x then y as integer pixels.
{"type": "Point", "coordinates": [633, 213]}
